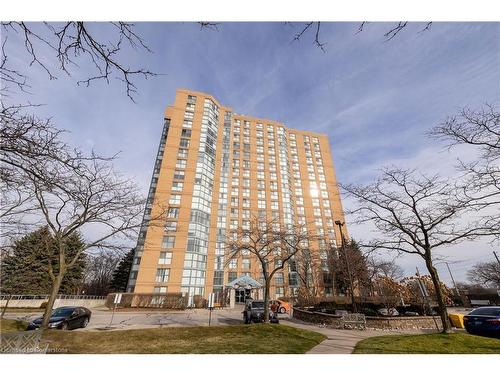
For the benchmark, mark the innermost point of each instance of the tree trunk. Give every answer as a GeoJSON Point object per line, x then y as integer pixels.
{"type": "Point", "coordinates": [443, 312]}
{"type": "Point", "coordinates": [266, 300]}
{"type": "Point", "coordinates": [6, 305]}
{"type": "Point", "coordinates": [52, 299]}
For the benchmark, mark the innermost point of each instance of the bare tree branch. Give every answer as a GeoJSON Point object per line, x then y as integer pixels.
{"type": "Point", "coordinates": [72, 41]}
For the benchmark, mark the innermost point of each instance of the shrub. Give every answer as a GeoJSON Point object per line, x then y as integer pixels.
{"type": "Point", "coordinates": [43, 305]}
{"type": "Point", "coordinates": [199, 301]}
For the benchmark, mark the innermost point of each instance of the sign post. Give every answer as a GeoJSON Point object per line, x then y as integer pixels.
{"type": "Point", "coordinates": [118, 298]}
{"type": "Point", "coordinates": [211, 301]}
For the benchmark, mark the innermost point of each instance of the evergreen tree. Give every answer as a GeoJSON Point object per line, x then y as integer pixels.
{"type": "Point", "coordinates": [24, 269]}
{"type": "Point", "coordinates": [122, 272]}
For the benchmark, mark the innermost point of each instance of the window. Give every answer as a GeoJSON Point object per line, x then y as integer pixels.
{"type": "Point", "coordinates": [162, 275]}
{"type": "Point", "coordinates": [184, 143]}
{"type": "Point", "coordinates": [165, 257]}
{"type": "Point", "coordinates": [182, 153]}
{"type": "Point", "coordinates": [245, 264]}
{"type": "Point", "coordinates": [173, 212]}
{"type": "Point", "coordinates": [261, 194]}
{"type": "Point", "coordinates": [170, 226]}
{"type": "Point", "coordinates": [175, 199]}
{"type": "Point", "coordinates": [186, 133]}
{"type": "Point", "coordinates": [279, 278]}
{"type": "Point", "coordinates": [178, 175]}
{"type": "Point", "coordinates": [177, 186]}
{"type": "Point", "coordinates": [168, 242]}
{"type": "Point", "coordinates": [280, 291]}
{"type": "Point", "coordinates": [231, 276]}
{"type": "Point", "coordinates": [181, 164]}
{"type": "Point", "coordinates": [274, 205]}
{"type": "Point", "coordinates": [274, 195]}
{"type": "Point", "coordinates": [160, 289]}
{"type": "Point", "coordinates": [233, 263]}
{"type": "Point", "coordinates": [261, 204]}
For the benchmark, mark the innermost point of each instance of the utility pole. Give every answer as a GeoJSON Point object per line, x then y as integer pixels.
{"type": "Point", "coordinates": [496, 256]}
{"type": "Point", "coordinates": [452, 279]}
{"type": "Point", "coordinates": [425, 295]}
{"type": "Point", "coordinates": [340, 224]}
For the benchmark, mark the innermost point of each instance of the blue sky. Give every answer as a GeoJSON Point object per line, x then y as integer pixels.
{"type": "Point", "coordinates": [374, 99]}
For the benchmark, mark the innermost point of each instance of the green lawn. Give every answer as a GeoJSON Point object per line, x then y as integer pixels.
{"type": "Point", "coordinates": [435, 343]}
{"type": "Point", "coordinates": [241, 339]}
{"type": "Point", "coordinates": [11, 325]}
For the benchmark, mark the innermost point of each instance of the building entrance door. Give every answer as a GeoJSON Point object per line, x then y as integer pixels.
{"type": "Point", "coordinates": [242, 295]}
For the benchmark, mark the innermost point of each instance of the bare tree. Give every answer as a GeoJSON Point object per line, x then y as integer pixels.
{"type": "Point", "coordinates": [99, 270]}
{"type": "Point", "coordinates": [67, 191]}
{"type": "Point", "coordinates": [384, 268]}
{"type": "Point", "coordinates": [479, 129]}
{"type": "Point", "coordinates": [417, 214]}
{"type": "Point", "coordinates": [391, 33]}
{"type": "Point", "coordinates": [30, 147]}
{"type": "Point", "coordinates": [486, 273]}
{"type": "Point", "coordinates": [92, 196]}
{"type": "Point", "coordinates": [273, 244]}
{"type": "Point", "coordinates": [69, 42]}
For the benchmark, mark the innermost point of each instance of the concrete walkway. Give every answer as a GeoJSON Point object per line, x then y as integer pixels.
{"type": "Point", "coordinates": [340, 341]}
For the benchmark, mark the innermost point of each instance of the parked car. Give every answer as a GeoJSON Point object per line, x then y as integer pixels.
{"type": "Point", "coordinates": [388, 312]}
{"type": "Point", "coordinates": [67, 317]}
{"type": "Point", "coordinates": [483, 321]}
{"type": "Point", "coordinates": [254, 312]}
{"type": "Point", "coordinates": [283, 306]}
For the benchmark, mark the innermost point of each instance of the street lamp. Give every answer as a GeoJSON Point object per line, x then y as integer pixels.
{"type": "Point", "coordinates": [340, 225]}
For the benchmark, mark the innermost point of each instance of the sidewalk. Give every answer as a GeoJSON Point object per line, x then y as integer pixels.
{"type": "Point", "coordinates": [340, 341]}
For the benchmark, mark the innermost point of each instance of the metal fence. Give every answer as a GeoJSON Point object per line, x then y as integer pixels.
{"type": "Point", "coordinates": [46, 296]}
{"type": "Point", "coordinates": [22, 343]}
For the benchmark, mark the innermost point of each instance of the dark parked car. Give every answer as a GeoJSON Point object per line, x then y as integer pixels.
{"type": "Point", "coordinates": [483, 321]}
{"type": "Point", "coordinates": [65, 318]}
{"type": "Point", "coordinates": [254, 312]}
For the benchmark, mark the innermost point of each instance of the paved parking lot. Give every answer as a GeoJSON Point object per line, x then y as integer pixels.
{"type": "Point", "coordinates": [101, 318]}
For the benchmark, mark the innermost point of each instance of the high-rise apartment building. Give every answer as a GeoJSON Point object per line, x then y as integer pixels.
{"type": "Point", "coordinates": [216, 169]}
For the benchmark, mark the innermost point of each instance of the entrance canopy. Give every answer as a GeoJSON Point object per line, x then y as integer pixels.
{"type": "Point", "coordinates": [244, 282]}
